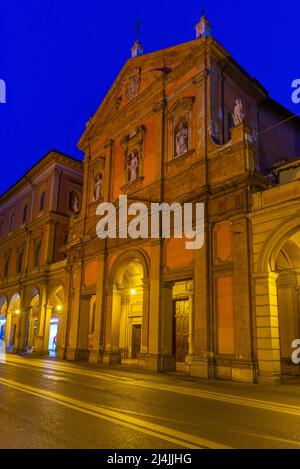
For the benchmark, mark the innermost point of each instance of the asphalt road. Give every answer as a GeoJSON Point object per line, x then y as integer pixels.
{"type": "Point", "coordinates": [55, 404]}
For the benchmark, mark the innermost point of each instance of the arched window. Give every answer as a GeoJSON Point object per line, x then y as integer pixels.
{"type": "Point", "coordinates": [181, 138]}
{"type": "Point", "coordinates": [42, 201]}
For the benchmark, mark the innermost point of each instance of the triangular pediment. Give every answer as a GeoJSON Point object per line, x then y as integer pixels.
{"type": "Point", "coordinates": [136, 76]}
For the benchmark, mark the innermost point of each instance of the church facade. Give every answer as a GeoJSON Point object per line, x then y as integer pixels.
{"type": "Point", "coordinates": [188, 125]}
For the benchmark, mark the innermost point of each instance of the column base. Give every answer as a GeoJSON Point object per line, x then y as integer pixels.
{"type": "Point", "coordinates": [269, 378]}
{"type": "Point", "coordinates": [61, 352]}
{"type": "Point", "coordinates": [75, 354]}
{"type": "Point", "coordinates": [112, 358]}
{"type": "Point", "coordinates": [202, 367]}
{"type": "Point", "coordinates": [94, 357]}
{"type": "Point", "coordinates": [160, 363]}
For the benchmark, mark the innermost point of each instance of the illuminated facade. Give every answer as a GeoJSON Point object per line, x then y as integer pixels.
{"type": "Point", "coordinates": [185, 124]}
{"type": "Point", "coordinates": [34, 223]}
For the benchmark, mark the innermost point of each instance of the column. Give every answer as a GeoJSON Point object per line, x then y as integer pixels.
{"type": "Point", "coordinates": [38, 345]}
{"type": "Point", "coordinates": [74, 311]}
{"type": "Point", "coordinates": [191, 324]}
{"type": "Point", "coordinates": [145, 319]}
{"type": "Point", "coordinates": [95, 354]}
{"type": "Point", "coordinates": [202, 356]}
{"type": "Point", "coordinates": [268, 347]}
{"type": "Point", "coordinates": [243, 367]}
{"type": "Point", "coordinates": [111, 355]}
{"type": "Point", "coordinates": [168, 362]}
{"type": "Point", "coordinates": [64, 317]}
{"type": "Point", "coordinates": [8, 328]}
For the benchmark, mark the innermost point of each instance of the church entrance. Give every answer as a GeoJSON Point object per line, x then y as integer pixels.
{"type": "Point", "coordinates": [136, 340]}
{"type": "Point", "coordinates": [181, 328]}
{"type": "Point", "coordinates": [182, 309]}
{"type": "Point", "coordinates": [124, 334]}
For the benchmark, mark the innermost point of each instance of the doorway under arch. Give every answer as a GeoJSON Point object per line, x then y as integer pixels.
{"type": "Point", "coordinates": [288, 301]}
{"type": "Point", "coordinates": [277, 291]}
{"type": "Point", "coordinates": [13, 321]}
{"type": "Point", "coordinates": [54, 321]}
{"type": "Point", "coordinates": [128, 308]}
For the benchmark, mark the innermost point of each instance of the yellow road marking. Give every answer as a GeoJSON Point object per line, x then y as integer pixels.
{"type": "Point", "coordinates": [200, 393]}
{"type": "Point", "coordinates": [182, 439]}
{"type": "Point", "coordinates": [66, 368]}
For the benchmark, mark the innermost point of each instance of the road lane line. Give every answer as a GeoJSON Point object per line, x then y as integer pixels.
{"type": "Point", "coordinates": [184, 440]}
{"type": "Point", "coordinates": [68, 369]}
{"type": "Point", "coordinates": [203, 394]}
{"type": "Point", "coordinates": [228, 398]}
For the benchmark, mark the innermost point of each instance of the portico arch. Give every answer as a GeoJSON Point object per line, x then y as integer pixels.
{"type": "Point", "coordinates": [55, 318]}
{"type": "Point", "coordinates": [13, 321]}
{"type": "Point", "coordinates": [277, 301]}
{"type": "Point", "coordinates": [126, 331]}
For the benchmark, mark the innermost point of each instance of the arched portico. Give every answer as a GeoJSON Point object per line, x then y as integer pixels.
{"type": "Point", "coordinates": [55, 320]}
{"type": "Point", "coordinates": [13, 322]}
{"type": "Point", "coordinates": [277, 301]}
{"type": "Point", "coordinates": [127, 309]}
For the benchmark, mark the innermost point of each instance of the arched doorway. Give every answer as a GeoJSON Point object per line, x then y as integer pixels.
{"type": "Point", "coordinates": [288, 301]}
{"type": "Point", "coordinates": [277, 287]}
{"type": "Point", "coordinates": [3, 312]}
{"type": "Point", "coordinates": [127, 328]}
{"type": "Point", "coordinates": [54, 321]}
{"type": "Point", "coordinates": [13, 321]}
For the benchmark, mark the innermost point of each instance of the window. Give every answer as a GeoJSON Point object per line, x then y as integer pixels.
{"type": "Point", "coordinates": [6, 265]}
{"type": "Point", "coordinates": [12, 223]}
{"type": "Point", "coordinates": [1, 229]}
{"type": "Point", "coordinates": [42, 201]}
{"type": "Point", "coordinates": [25, 213]}
{"type": "Point", "coordinates": [228, 125]}
{"type": "Point", "coordinates": [20, 262]}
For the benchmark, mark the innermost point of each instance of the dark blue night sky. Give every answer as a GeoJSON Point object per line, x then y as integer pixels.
{"type": "Point", "coordinates": [59, 58]}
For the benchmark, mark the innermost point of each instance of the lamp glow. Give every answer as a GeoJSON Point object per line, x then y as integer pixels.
{"type": "Point", "coordinates": [17, 311]}
{"type": "Point", "coordinates": [58, 308]}
{"type": "Point", "coordinates": [132, 291]}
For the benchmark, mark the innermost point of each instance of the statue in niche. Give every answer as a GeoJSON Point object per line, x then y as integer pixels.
{"type": "Point", "coordinates": [75, 203]}
{"type": "Point", "coordinates": [133, 166]}
{"type": "Point", "coordinates": [238, 112]}
{"type": "Point", "coordinates": [98, 180]}
{"type": "Point", "coordinates": [181, 138]}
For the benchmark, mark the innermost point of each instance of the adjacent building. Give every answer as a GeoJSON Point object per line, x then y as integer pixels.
{"type": "Point", "coordinates": [34, 225]}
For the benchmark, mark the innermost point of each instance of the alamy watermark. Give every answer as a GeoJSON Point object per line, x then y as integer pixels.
{"type": "Point", "coordinates": [296, 92]}
{"type": "Point", "coordinates": [2, 351]}
{"type": "Point", "coordinates": [188, 221]}
{"type": "Point", "coordinates": [2, 92]}
{"type": "Point", "coordinates": [296, 353]}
